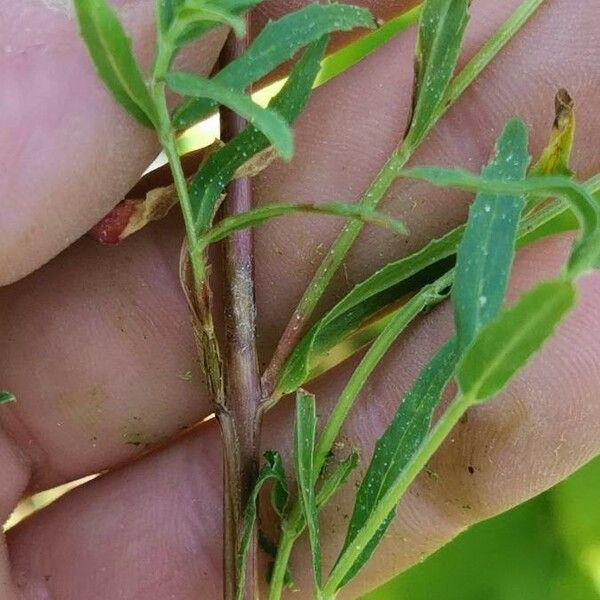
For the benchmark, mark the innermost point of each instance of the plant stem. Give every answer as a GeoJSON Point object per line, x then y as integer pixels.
{"type": "Point", "coordinates": [292, 529]}
{"type": "Point", "coordinates": [168, 142]}
{"type": "Point", "coordinates": [199, 299]}
{"type": "Point", "coordinates": [243, 390]}
{"type": "Point", "coordinates": [389, 501]}
{"type": "Point", "coordinates": [235, 407]}
{"type": "Point", "coordinates": [379, 188]}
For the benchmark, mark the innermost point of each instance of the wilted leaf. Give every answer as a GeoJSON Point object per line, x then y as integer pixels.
{"type": "Point", "coordinates": [112, 54]}
{"type": "Point", "coordinates": [556, 155]}
{"type": "Point", "coordinates": [397, 446]}
{"type": "Point", "coordinates": [555, 160]}
{"type": "Point", "coordinates": [487, 250]}
{"type": "Point", "coordinates": [269, 122]}
{"type": "Point", "coordinates": [504, 346]}
{"type": "Point", "coordinates": [276, 43]}
{"type": "Point", "coordinates": [305, 429]}
{"type": "Point", "coordinates": [151, 199]}
{"type": "Point", "coordinates": [130, 216]}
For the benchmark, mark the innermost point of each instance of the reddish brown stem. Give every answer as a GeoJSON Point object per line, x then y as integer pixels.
{"type": "Point", "coordinates": [243, 391]}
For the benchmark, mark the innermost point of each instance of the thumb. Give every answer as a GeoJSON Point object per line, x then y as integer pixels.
{"type": "Point", "coordinates": [68, 151]}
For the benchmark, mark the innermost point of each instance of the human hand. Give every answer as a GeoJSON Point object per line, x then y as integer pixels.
{"type": "Point", "coordinates": [95, 341]}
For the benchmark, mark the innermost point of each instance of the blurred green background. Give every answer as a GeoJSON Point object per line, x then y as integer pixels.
{"type": "Point", "coordinates": [546, 549]}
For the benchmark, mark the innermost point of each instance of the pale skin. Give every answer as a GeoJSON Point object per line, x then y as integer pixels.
{"type": "Point", "coordinates": [95, 339]}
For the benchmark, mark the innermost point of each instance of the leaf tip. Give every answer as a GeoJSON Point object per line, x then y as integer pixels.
{"type": "Point", "coordinates": [6, 397]}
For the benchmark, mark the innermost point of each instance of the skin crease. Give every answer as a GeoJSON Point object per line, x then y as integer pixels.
{"type": "Point", "coordinates": [96, 339]}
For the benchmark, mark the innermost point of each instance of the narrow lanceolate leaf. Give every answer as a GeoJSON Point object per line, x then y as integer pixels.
{"type": "Point", "coordinates": [277, 42]}
{"type": "Point", "coordinates": [585, 255]}
{"type": "Point", "coordinates": [305, 430]}
{"type": "Point", "coordinates": [260, 215]}
{"type": "Point", "coordinates": [336, 479]}
{"type": "Point", "coordinates": [6, 397]}
{"type": "Point", "coordinates": [505, 345]}
{"type": "Point", "coordinates": [269, 122]}
{"type": "Point", "coordinates": [441, 31]}
{"type": "Point", "coordinates": [221, 167]}
{"type": "Point", "coordinates": [556, 155]}
{"type": "Point", "coordinates": [374, 299]}
{"type": "Point", "coordinates": [486, 253]}
{"type": "Point", "coordinates": [348, 56]}
{"type": "Point", "coordinates": [112, 54]}
{"type": "Point", "coordinates": [399, 443]}
{"type": "Point", "coordinates": [273, 470]}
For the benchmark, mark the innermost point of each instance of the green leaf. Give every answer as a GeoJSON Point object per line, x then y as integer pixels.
{"type": "Point", "coordinates": [276, 43]}
{"type": "Point", "coordinates": [341, 331]}
{"type": "Point", "coordinates": [585, 255]}
{"type": "Point", "coordinates": [333, 482]}
{"type": "Point", "coordinates": [305, 430]}
{"type": "Point", "coordinates": [279, 497]}
{"type": "Point", "coordinates": [220, 167]}
{"type": "Point", "coordinates": [401, 440]}
{"type": "Point", "coordinates": [112, 54]}
{"type": "Point", "coordinates": [269, 122]}
{"type": "Point", "coordinates": [258, 216]}
{"type": "Point", "coordinates": [348, 56]}
{"type": "Point", "coordinates": [6, 397]}
{"type": "Point", "coordinates": [504, 345]}
{"type": "Point", "coordinates": [441, 31]}
{"type": "Point", "coordinates": [165, 13]}
{"type": "Point", "coordinates": [556, 155]}
{"type": "Point", "coordinates": [486, 253]}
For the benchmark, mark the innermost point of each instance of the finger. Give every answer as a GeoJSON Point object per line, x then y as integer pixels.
{"type": "Point", "coordinates": [68, 151]}
{"type": "Point", "coordinates": [126, 375]}
{"type": "Point", "coordinates": [516, 446]}
{"type": "Point", "coordinates": [80, 125]}
{"type": "Point", "coordinates": [100, 356]}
